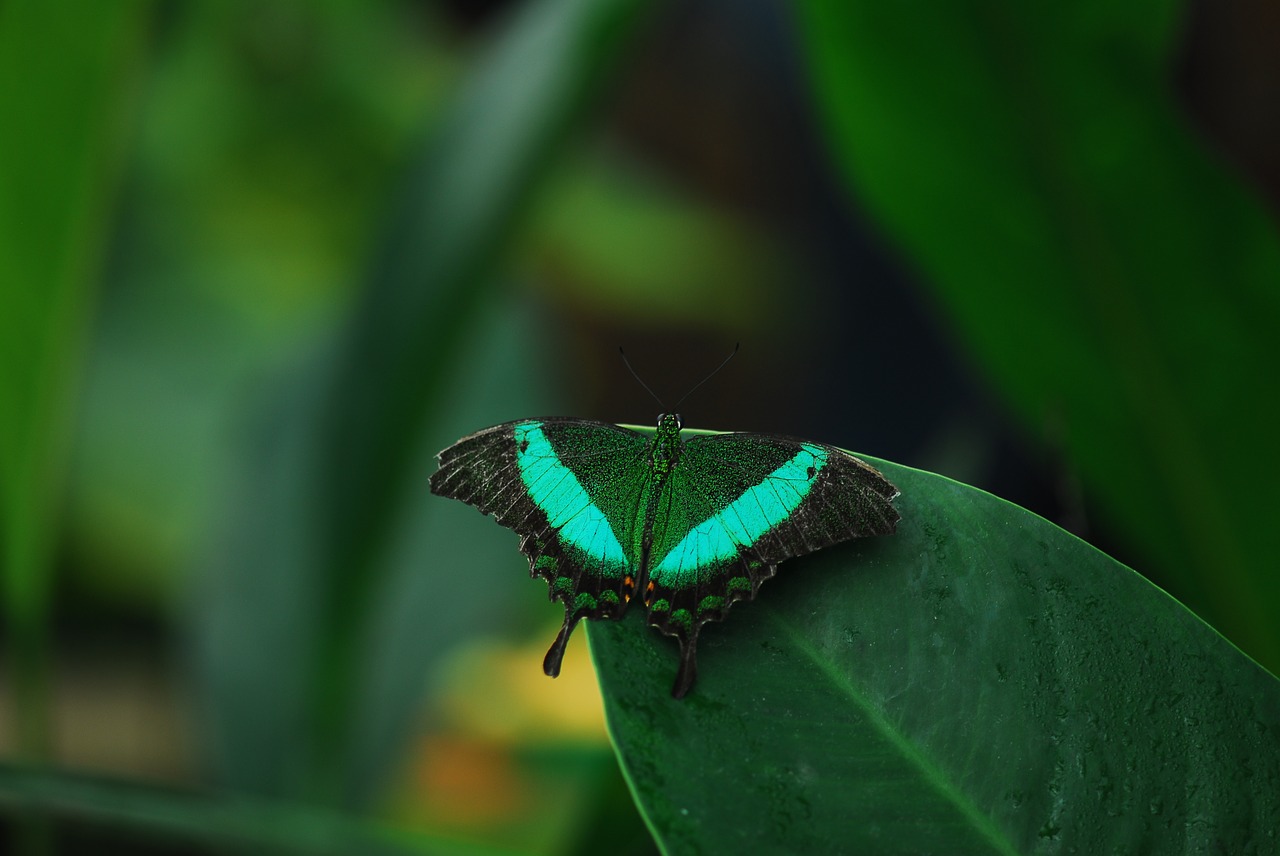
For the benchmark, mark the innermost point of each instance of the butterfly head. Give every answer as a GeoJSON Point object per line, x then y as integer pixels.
{"type": "Point", "coordinates": [669, 423]}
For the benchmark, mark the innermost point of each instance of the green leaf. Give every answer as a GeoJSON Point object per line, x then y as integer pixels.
{"type": "Point", "coordinates": [207, 819]}
{"type": "Point", "coordinates": [980, 682]}
{"type": "Point", "coordinates": [1113, 278]}
{"type": "Point", "coordinates": [63, 72]}
{"type": "Point", "coordinates": [306, 685]}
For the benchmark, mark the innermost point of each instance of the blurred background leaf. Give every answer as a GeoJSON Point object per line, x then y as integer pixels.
{"type": "Point", "coordinates": [65, 76]}
{"type": "Point", "coordinates": [310, 568]}
{"type": "Point", "coordinates": [1116, 283]}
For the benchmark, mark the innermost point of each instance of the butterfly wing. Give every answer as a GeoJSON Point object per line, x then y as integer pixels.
{"type": "Point", "coordinates": [738, 505]}
{"type": "Point", "coordinates": [571, 489]}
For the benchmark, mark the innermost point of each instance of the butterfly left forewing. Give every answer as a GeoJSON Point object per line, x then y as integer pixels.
{"type": "Point", "coordinates": [570, 489]}
{"type": "Point", "coordinates": [749, 502]}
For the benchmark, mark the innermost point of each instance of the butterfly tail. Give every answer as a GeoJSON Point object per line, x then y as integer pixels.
{"type": "Point", "coordinates": [551, 663]}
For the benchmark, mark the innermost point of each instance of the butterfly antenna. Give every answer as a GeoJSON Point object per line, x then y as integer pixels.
{"type": "Point", "coordinates": [708, 377]}
{"type": "Point", "coordinates": [626, 362]}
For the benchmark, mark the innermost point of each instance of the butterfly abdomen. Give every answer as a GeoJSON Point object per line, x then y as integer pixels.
{"type": "Point", "coordinates": [664, 455]}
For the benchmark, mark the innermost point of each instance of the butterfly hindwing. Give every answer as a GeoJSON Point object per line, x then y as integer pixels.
{"type": "Point", "coordinates": [571, 489]}
{"type": "Point", "coordinates": [738, 505]}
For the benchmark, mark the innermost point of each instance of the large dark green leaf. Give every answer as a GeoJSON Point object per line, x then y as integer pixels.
{"type": "Point", "coordinates": [1114, 280]}
{"type": "Point", "coordinates": [980, 682]}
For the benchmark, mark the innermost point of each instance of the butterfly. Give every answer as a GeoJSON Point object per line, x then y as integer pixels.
{"type": "Point", "coordinates": [608, 515]}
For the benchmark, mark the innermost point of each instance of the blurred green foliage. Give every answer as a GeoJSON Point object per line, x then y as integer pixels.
{"type": "Point", "coordinates": [59, 154]}
{"type": "Point", "coordinates": [1116, 283]}
{"type": "Point", "coordinates": [259, 260]}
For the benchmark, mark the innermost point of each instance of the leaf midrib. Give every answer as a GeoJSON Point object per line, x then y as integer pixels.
{"type": "Point", "coordinates": [930, 773]}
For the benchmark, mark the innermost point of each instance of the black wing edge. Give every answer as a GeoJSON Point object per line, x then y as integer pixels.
{"type": "Point", "coordinates": [469, 457]}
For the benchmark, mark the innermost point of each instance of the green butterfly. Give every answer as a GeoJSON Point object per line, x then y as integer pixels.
{"type": "Point", "coordinates": [608, 514]}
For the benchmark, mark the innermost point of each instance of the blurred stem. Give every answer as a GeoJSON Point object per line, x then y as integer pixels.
{"type": "Point", "coordinates": [27, 638]}
{"type": "Point", "coordinates": [33, 836]}
{"type": "Point", "coordinates": [28, 643]}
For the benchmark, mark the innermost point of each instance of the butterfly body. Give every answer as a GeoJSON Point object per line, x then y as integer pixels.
{"type": "Point", "coordinates": [609, 516]}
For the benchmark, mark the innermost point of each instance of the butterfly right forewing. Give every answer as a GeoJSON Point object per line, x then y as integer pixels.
{"type": "Point", "coordinates": [753, 501]}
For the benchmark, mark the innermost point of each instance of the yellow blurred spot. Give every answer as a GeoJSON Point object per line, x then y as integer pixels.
{"type": "Point", "coordinates": [503, 759]}
{"type": "Point", "coordinates": [498, 692]}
